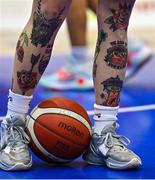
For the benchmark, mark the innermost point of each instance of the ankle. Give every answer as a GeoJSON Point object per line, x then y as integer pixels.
{"type": "Point", "coordinates": [104, 116]}
{"type": "Point", "coordinates": [18, 104]}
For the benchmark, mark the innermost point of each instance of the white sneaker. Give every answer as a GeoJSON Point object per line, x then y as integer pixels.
{"type": "Point", "coordinates": [110, 149]}
{"type": "Point", "coordinates": [14, 152]}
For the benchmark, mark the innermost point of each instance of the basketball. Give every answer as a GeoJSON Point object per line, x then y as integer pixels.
{"type": "Point", "coordinates": [59, 129]}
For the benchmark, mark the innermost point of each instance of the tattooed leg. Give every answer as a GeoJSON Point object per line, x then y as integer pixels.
{"type": "Point", "coordinates": [111, 50]}
{"type": "Point", "coordinates": [109, 69]}
{"type": "Point", "coordinates": [35, 44]}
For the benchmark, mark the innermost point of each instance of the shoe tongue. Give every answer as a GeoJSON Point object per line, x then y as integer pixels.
{"type": "Point", "coordinates": [17, 132]}
{"type": "Point", "coordinates": [16, 120]}
{"type": "Point", "coordinates": [110, 128]}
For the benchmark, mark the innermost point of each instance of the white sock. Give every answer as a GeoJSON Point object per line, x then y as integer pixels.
{"type": "Point", "coordinates": [18, 104]}
{"type": "Point", "coordinates": [103, 116]}
{"type": "Point", "coordinates": [80, 54]}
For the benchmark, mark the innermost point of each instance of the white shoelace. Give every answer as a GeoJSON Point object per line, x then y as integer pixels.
{"type": "Point", "coordinates": [110, 139]}
{"type": "Point", "coordinates": [14, 137]}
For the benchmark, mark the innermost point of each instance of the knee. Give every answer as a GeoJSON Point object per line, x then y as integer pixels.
{"type": "Point", "coordinates": [50, 12]}
{"type": "Point", "coordinates": [46, 20]}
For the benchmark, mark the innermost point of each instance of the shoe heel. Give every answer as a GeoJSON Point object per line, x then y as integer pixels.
{"type": "Point", "coordinates": [92, 159]}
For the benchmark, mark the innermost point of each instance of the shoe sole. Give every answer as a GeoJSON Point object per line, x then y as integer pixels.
{"type": "Point", "coordinates": [17, 167]}
{"type": "Point", "coordinates": [133, 164]}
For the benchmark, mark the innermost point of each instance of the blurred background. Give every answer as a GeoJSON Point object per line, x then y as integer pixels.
{"type": "Point", "coordinates": [15, 13]}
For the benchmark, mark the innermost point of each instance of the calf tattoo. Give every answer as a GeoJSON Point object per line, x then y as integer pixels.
{"type": "Point", "coordinates": [43, 29]}
{"type": "Point", "coordinates": [23, 40]}
{"type": "Point", "coordinates": [101, 38]}
{"type": "Point", "coordinates": [28, 79]}
{"type": "Point", "coordinates": [116, 56]}
{"type": "Point", "coordinates": [111, 91]}
{"type": "Point", "coordinates": [45, 59]}
{"type": "Point", "coordinates": [120, 17]}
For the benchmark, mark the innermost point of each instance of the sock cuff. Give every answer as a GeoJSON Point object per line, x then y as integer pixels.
{"type": "Point", "coordinates": [11, 93]}
{"type": "Point", "coordinates": [18, 103]}
{"type": "Point", "coordinates": [100, 107]}
{"type": "Point", "coordinates": [105, 113]}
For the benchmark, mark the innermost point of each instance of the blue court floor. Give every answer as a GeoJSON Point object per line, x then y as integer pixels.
{"type": "Point", "coordinates": [138, 126]}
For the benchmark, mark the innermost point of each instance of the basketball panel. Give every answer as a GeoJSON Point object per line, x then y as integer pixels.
{"type": "Point", "coordinates": [65, 103]}
{"type": "Point", "coordinates": [57, 145]}
{"type": "Point", "coordinates": [66, 127]}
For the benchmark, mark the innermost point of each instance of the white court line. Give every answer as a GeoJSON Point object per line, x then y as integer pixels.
{"type": "Point", "coordinates": [131, 109]}
{"type": "Point", "coordinates": [123, 110]}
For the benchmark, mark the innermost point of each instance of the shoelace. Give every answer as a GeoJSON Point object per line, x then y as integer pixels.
{"type": "Point", "coordinates": [15, 135]}
{"type": "Point", "coordinates": [111, 138]}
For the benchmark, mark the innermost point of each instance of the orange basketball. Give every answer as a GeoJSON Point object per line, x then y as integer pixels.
{"type": "Point", "coordinates": [59, 129]}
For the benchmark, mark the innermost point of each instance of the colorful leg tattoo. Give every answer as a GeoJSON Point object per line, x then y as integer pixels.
{"type": "Point", "coordinates": [28, 79]}
{"type": "Point", "coordinates": [111, 91]}
{"type": "Point", "coordinates": [112, 64]}
{"type": "Point", "coordinates": [43, 29]}
{"type": "Point", "coordinates": [23, 40]}
{"type": "Point", "coordinates": [120, 17]}
{"type": "Point", "coordinates": [116, 57]}
{"type": "Point", "coordinates": [35, 44]}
